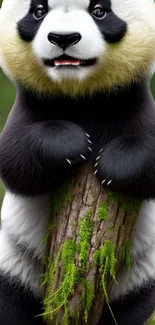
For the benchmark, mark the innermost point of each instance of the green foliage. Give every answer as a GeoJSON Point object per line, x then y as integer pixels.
{"type": "Point", "coordinates": [59, 298]}
{"type": "Point", "coordinates": [103, 211]}
{"type": "Point", "coordinates": [105, 258]}
{"type": "Point", "coordinates": [72, 275]}
{"type": "Point", "coordinates": [89, 297]}
{"type": "Point", "coordinates": [152, 322]}
{"type": "Point", "coordinates": [126, 255]}
{"type": "Point", "coordinates": [85, 241]}
{"type": "Point", "coordinates": [62, 195]}
{"type": "Point", "coordinates": [128, 205]}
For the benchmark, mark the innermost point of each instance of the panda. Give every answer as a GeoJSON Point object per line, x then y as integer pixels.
{"type": "Point", "coordinates": [82, 73]}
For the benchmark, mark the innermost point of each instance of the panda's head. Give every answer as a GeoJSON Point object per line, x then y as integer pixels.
{"type": "Point", "coordinates": [76, 46]}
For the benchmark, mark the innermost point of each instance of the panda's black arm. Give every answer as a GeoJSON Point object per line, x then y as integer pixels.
{"type": "Point", "coordinates": [135, 308]}
{"type": "Point", "coordinates": [35, 155]}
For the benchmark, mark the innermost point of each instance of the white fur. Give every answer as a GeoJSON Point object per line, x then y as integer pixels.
{"type": "Point", "coordinates": [26, 220]}
{"type": "Point", "coordinates": [143, 253]}
{"type": "Point", "coordinates": [15, 263]}
{"type": "Point", "coordinates": [24, 223]}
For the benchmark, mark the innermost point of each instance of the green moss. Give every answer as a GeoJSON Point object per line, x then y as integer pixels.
{"type": "Point", "coordinates": [126, 255]}
{"type": "Point", "coordinates": [59, 298]}
{"type": "Point", "coordinates": [85, 238]}
{"type": "Point", "coordinates": [105, 258]}
{"type": "Point", "coordinates": [88, 297]}
{"type": "Point", "coordinates": [75, 223]}
{"type": "Point", "coordinates": [65, 320]}
{"type": "Point", "coordinates": [111, 229]}
{"type": "Point", "coordinates": [73, 318]}
{"type": "Point", "coordinates": [62, 196]}
{"type": "Point", "coordinates": [51, 273]}
{"type": "Point", "coordinates": [125, 204]}
{"type": "Point", "coordinates": [103, 211]}
{"type": "Point", "coordinates": [122, 228]}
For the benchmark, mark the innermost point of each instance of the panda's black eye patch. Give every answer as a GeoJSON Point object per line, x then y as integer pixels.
{"type": "Point", "coordinates": [110, 25]}
{"type": "Point", "coordinates": [112, 28]}
{"type": "Point", "coordinates": [27, 27]}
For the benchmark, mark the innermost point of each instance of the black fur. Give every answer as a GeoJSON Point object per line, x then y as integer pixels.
{"type": "Point", "coordinates": [18, 306]}
{"type": "Point", "coordinates": [134, 309]}
{"type": "Point", "coordinates": [42, 135]}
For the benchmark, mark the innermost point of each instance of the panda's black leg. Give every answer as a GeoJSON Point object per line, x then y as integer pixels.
{"type": "Point", "coordinates": [18, 305]}
{"type": "Point", "coordinates": [132, 298]}
{"type": "Point", "coordinates": [134, 308]}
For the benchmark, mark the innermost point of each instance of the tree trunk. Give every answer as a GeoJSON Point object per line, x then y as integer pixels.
{"type": "Point", "coordinates": [89, 242]}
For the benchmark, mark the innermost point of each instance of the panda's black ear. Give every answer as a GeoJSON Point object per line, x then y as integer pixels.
{"type": "Point", "coordinates": [112, 27]}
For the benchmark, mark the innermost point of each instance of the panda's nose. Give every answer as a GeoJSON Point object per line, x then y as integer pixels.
{"type": "Point", "coordinates": [64, 40]}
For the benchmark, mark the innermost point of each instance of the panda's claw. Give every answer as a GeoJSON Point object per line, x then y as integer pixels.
{"type": "Point", "coordinates": [90, 149]}
{"type": "Point", "coordinates": [83, 157]}
{"type": "Point", "coordinates": [103, 181]}
{"type": "Point", "coordinates": [69, 162]}
{"type": "Point", "coordinates": [107, 182]}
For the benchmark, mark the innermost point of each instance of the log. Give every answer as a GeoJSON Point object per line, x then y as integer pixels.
{"type": "Point", "coordinates": [89, 243]}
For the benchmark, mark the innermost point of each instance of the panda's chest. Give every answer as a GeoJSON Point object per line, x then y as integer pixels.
{"type": "Point", "coordinates": [98, 117]}
{"type": "Point", "coordinates": [97, 121]}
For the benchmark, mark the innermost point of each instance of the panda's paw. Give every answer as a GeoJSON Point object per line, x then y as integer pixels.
{"type": "Point", "coordinates": [126, 172]}
{"type": "Point", "coordinates": [114, 172]}
{"type": "Point", "coordinates": [70, 144]}
{"type": "Point", "coordinates": [78, 153]}
{"type": "Point", "coordinates": [105, 182]}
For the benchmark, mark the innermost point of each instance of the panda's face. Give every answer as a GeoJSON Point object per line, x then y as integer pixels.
{"type": "Point", "coordinates": [70, 37]}
{"type": "Point", "coordinates": [76, 45]}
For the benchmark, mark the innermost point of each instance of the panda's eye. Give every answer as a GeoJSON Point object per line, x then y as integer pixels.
{"type": "Point", "coordinates": [98, 12]}
{"type": "Point", "coordinates": [39, 13]}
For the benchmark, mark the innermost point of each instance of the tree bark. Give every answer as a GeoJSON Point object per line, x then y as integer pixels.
{"type": "Point", "coordinates": [90, 241]}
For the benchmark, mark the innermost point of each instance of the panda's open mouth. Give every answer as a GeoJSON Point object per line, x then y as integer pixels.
{"type": "Point", "coordinates": [65, 60]}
